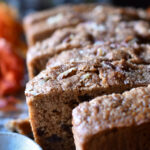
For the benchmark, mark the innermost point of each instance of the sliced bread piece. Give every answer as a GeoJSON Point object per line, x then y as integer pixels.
{"type": "Point", "coordinates": [53, 94]}
{"type": "Point", "coordinates": [41, 25]}
{"type": "Point", "coordinates": [62, 40]}
{"type": "Point", "coordinates": [36, 17]}
{"type": "Point", "coordinates": [114, 122]}
{"type": "Point", "coordinates": [132, 51]}
{"type": "Point", "coordinates": [43, 29]}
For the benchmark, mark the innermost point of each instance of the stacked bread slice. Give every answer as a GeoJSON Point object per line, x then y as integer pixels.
{"type": "Point", "coordinates": [112, 122]}
{"type": "Point", "coordinates": [79, 53]}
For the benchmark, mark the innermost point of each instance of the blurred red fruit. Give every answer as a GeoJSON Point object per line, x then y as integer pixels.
{"type": "Point", "coordinates": [11, 69]}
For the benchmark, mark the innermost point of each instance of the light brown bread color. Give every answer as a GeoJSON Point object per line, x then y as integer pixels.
{"type": "Point", "coordinates": [131, 51]}
{"type": "Point", "coordinates": [62, 40]}
{"type": "Point", "coordinates": [85, 34]}
{"type": "Point", "coordinates": [114, 122]}
{"type": "Point", "coordinates": [41, 25]}
{"type": "Point", "coordinates": [53, 94]}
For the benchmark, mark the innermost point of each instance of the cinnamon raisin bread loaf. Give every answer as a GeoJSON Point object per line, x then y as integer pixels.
{"type": "Point", "coordinates": [114, 122]}
{"type": "Point", "coordinates": [53, 94]}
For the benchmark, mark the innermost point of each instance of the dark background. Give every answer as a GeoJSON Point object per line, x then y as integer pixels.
{"type": "Point", "coordinates": [27, 6]}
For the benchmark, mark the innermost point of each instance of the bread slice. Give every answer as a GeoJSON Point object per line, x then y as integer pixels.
{"type": "Point", "coordinates": [114, 122]}
{"type": "Point", "coordinates": [53, 94]}
{"type": "Point", "coordinates": [34, 18]}
{"type": "Point", "coordinates": [122, 30]}
{"type": "Point", "coordinates": [44, 29]}
{"type": "Point", "coordinates": [61, 40]}
{"type": "Point", "coordinates": [116, 14]}
{"type": "Point", "coordinates": [134, 52]}
{"type": "Point", "coordinates": [41, 25]}
{"type": "Point", "coordinates": [21, 126]}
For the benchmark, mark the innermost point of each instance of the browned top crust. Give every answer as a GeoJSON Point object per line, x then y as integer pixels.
{"type": "Point", "coordinates": [40, 28]}
{"type": "Point", "coordinates": [117, 14]}
{"type": "Point", "coordinates": [95, 73]}
{"type": "Point", "coordinates": [131, 51]}
{"type": "Point", "coordinates": [53, 22]}
{"type": "Point", "coordinates": [121, 31]}
{"type": "Point", "coordinates": [129, 13]}
{"type": "Point", "coordinates": [87, 34]}
{"type": "Point", "coordinates": [111, 111]}
{"type": "Point", "coordinates": [43, 15]}
{"type": "Point", "coordinates": [45, 28]}
{"type": "Point", "coordinates": [66, 38]}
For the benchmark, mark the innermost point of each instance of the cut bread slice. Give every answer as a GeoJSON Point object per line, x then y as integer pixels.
{"type": "Point", "coordinates": [34, 18]}
{"type": "Point", "coordinates": [62, 40]}
{"type": "Point", "coordinates": [41, 25]}
{"type": "Point", "coordinates": [43, 29]}
{"type": "Point", "coordinates": [134, 52]}
{"type": "Point", "coordinates": [53, 94]}
{"type": "Point", "coordinates": [114, 122]}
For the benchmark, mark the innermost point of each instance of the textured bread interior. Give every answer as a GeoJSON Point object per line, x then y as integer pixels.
{"type": "Point", "coordinates": [53, 94]}
{"type": "Point", "coordinates": [127, 138]}
{"type": "Point", "coordinates": [108, 120]}
{"type": "Point", "coordinates": [38, 64]}
{"type": "Point", "coordinates": [52, 126]}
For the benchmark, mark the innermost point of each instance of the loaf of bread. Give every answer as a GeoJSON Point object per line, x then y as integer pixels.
{"type": "Point", "coordinates": [77, 53]}
{"type": "Point", "coordinates": [114, 122]}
